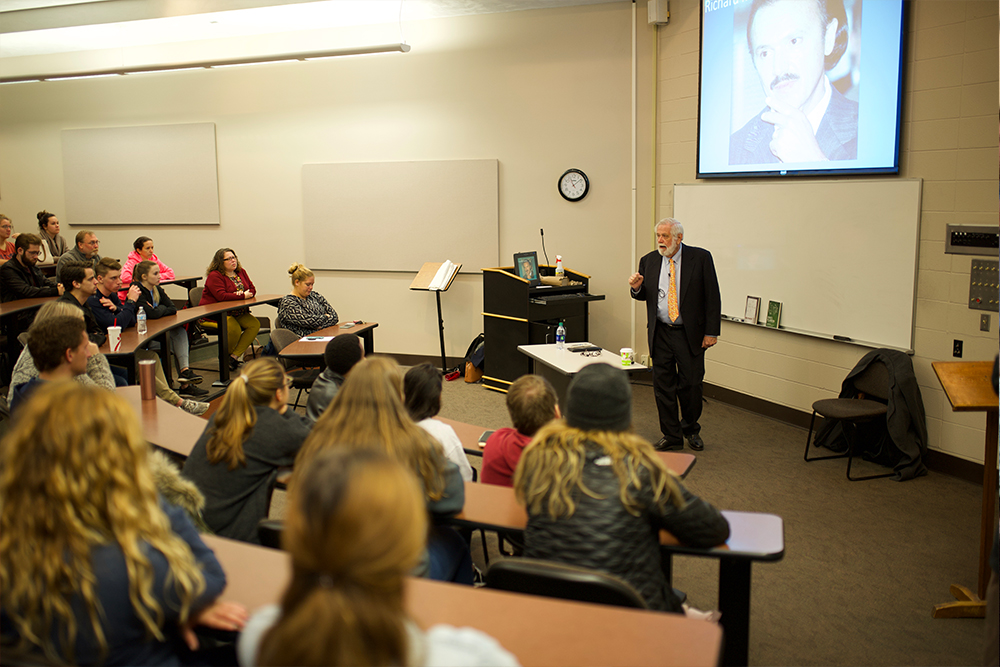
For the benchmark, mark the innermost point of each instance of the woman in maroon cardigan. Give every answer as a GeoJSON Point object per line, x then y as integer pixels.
{"type": "Point", "coordinates": [226, 280]}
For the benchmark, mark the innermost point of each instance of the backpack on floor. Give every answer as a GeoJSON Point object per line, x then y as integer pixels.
{"type": "Point", "coordinates": [475, 359]}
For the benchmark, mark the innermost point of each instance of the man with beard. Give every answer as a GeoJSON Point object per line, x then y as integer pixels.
{"type": "Point", "coordinates": [683, 319]}
{"type": "Point", "coordinates": [20, 279]}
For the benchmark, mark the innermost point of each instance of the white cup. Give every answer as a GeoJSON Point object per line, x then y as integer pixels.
{"type": "Point", "coordinates": [114, 338]}
{"type": "Point", "coordinates": [628, 356]}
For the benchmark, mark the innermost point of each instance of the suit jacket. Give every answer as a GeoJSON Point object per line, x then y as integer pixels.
{"type": "Point", "coordinates": [699, 300]}
{"type": "Point", "coordinates": [837, 135]}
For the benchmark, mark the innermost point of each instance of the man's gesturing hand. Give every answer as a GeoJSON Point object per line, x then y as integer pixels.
{"type": "Point", "coordinates": [635, 281]}
{"type": "Point", "coordinates": [793, 140]}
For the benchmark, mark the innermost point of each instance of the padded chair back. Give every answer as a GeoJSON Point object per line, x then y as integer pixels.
{"type": "Point", "coordinates": [194, 295]}
{"type": "Point", "coordinates": [269, 532]}
{"type": "Point", "coordinates": [282, 338]}
{"type": "Point", "coordinates": [539, 577]}
{"type": "Point", "coordinates": [873, 382]}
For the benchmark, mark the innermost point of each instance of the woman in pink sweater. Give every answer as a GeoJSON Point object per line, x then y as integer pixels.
{"type": "Point", "coordinates": [143, 252]}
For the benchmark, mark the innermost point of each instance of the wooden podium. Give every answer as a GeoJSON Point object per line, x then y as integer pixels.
{"type": "Point", "coordinates": [515, 313]}
{"type": "Point", "coordinates": [968, 387]}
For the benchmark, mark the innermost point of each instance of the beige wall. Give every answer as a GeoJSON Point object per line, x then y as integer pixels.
{"type": "Point", "coordinates": [949, 139]}
{"type": "Point", "coordinates": [541, 91]}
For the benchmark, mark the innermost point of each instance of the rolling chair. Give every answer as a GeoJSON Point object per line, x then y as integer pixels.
{"type": "Point", "coordinates": [302, 378]}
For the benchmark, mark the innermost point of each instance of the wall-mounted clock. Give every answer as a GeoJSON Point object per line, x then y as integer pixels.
{"type": "Point", "coordinates": [574, 185]}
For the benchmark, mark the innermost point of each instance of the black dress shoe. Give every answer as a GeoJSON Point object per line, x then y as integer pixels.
{"type": "Point", "coordinates": [664, 446]}
{"type": "Point", "coordinates": [695, 442]}
{"type": "Point", "coordinates": [234, 363]}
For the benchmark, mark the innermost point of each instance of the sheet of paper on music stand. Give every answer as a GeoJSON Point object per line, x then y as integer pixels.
{"type": "Point", "coordinates": [443, 275]}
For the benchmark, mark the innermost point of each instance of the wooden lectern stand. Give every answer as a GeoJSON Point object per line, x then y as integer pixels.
{"type": "Point", "coordinates": [515, 313]}
{"type": "Point", "coordinates": [423, 281]}
{"type": "Point", "coordinates": [968, 387]}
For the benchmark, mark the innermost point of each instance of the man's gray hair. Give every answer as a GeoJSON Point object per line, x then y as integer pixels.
{"type": "Point", "coordinates": [676, 228]}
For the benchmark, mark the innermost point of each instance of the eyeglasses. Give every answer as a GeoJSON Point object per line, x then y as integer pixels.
{"type": "Point", "coordinates": [229, 259]}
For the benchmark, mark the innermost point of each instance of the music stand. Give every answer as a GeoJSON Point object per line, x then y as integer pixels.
{"type": "Point", "coordinates": [424, 281]}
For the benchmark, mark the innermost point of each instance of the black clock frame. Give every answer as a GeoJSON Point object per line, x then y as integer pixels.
{"type": "Point", "coordinates": [586, 184]}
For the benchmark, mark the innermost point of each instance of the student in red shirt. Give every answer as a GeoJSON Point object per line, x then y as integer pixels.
{"type": "Point", "coordinates": [532, 403]}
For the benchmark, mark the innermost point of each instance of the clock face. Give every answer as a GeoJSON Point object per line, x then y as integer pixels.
{"type": "Point", "coordinates": [573, 185]}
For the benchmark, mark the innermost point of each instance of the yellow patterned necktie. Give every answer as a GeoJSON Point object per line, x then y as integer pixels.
{"type": "Point", "coordinates": [672, 309]}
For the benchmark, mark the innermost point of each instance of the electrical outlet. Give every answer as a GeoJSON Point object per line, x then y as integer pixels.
{"type": "Point", "coordinates": [956, 350]}
{"type": "Point", "coordinates": [645, 360]}
{"type": "Point", "coordinates": [984, 322]}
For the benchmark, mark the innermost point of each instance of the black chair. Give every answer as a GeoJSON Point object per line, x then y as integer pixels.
{"type": "Point", "coordinates": [269, 532]}
{"type": "Point", "coordinates": [303, 378]}
{"type": "Point", "coordinates": [869, 404]}
{"type": "Point", "coordinates": [556, 580]}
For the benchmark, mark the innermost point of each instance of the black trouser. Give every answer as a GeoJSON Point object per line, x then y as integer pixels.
{"type": "Point", "coordinates": [677, 378]}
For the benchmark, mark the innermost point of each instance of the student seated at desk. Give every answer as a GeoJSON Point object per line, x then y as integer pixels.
{"type": "Point", "coordinates": [26, 369]}
{"type": "Point", "coordinates": [157, 304]}
{"type": "Point", "coordinates": [422, 389]}
{"type": "Point", "coordinates": [107, 311]}
{"type": "Point", "coordinates": [597, 495]}
{"type": "Point", "coordinates": [96, 568]}
{"type": "Point", "coordinates": [142, 252]}
{"type": "Point", "coordinates": [304, 311]}
{"type": "Point", "coordinates": [62, 351]}
{"type": "Point", "coordinates": [532, 403]}
{"type": "Point", "coordinates": [53, 244]}
{"type": "Point", "coordinates": [6, 245]}
{"type": "Point", "coordinates": [341, 354]}
{"type": "Point", "coordinates": [354, 530]}
{"type": "Point", "coordinates": [235, 461]}
{"type": "Point", "coordinates": [225, 280]}
{"type": "Point", "coordinates": [368, 414]}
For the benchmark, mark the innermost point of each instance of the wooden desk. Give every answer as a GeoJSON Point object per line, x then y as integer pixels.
{"type": "Point", "coordinates": [753, 537]}
{"type": "Point", "coordinates": [157, 329]}
{"type": "Point", "coordinates": [678, 462]}
{"type": "Point", "coordinates": [559, 366]}
{"type": "Point", "coordinates": [968, 387]}
{"type": "Point", "coordinates": [539, 631]}
{"type": "Point", "coordinates": [187, 282]}
{"type": "Point", "coordinates": [11, 307]}
{"type": "Point", "coordinates": [311, 351]}
{"type": "Point", "coordinates": [164, 425]}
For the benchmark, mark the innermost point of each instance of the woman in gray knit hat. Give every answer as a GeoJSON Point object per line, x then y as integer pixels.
{"type": "Point", "coordinates": [597, 495]}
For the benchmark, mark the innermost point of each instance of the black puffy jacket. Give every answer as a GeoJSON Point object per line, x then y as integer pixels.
{"type": "Point", "coordinates": [602, 535]}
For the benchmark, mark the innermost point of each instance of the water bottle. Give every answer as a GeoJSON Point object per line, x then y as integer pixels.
{"type": "Point", "coordinates": [560, 271]}
{"type": "Point", "coordinates": [140, 321]}
{"type": "Point", "coordinates": [561, 337]}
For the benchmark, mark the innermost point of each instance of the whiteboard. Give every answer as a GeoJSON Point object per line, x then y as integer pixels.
{"type": "Point", "coordinates": [841, 256]}
{"type": "Point", "coordinates": [146, 175]}
{"type": "Point", "coordinates": [394, 216]}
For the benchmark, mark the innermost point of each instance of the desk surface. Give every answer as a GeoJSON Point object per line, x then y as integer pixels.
{"type": "Point", "coordinates": [967, 384]}
{"type": "Point", "coordinates": [314, 348]}
{"type": "Point", "coordinates": [680, 463]}
{"type": "Point", "coordinates": [568, 363]}
{"type": "Point", "coordinates": [11, 307]}
{"type": "Point", "coordinates": [164, 425]}
{"type": "Point", "coordinates": [539, 631]}
{"type": "Point", "coordinates": [131, 340]}
{"type": "Point", "coordinates": [753, 536]}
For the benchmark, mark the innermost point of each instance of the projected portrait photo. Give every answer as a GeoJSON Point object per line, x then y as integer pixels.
{"type": "Point", "coordinates": [526, 268]}
{"type": "Point", "coordinates": [796, 81]}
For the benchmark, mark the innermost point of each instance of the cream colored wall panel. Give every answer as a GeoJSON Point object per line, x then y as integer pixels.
{"type": "Point", "coordinates": [932, 315]}
{"type": "Point", "coordinates": [932, 255]}
{"type": "Point", "coordinates": [935, 402]}
{"type": "Point", "coordinates": [934, 223]}
{"type": "Point", "coordinates": [933, 135]}
{"type": "Point", "coordinates": [935, 104]}
{"type": "Point", "coordinates": [934, 164]}
{"type": "Point", "coordinates": [934, 427]}
{"type": "Point", "coordinates": [927, 15]}
{"type": "Point", "coordinates": [936, 72]}
{"type": "Point", "coordinates": [943, 40]}
{"type": "Point", "coordinates": [934, 285]}
{"type": "Point", "coordinates": [981, 34]}
{"type": "Point", "coordinates": [933, 344]}
{"type": "Point", "coordinates": [979, 66]}
{"type": "Point", "coordinates": [979, 100]}
{"type": "Point", "coordinates": [976, 132]}
{"type": "Point", "coordinates": [937, 196]}
{"type": "Point", "coordinates": [963, 441]}
{"type": "Point", "coordinates": [976, 164]}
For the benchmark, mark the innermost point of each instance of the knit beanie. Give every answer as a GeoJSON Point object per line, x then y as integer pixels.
{"type": "Point", "coordinates": [342, 352]}
{"type": "Point", "coordinates": [599, 399]}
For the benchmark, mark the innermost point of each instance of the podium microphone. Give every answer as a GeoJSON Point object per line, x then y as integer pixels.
{"type": "Point", "coordinates": [542, 231]}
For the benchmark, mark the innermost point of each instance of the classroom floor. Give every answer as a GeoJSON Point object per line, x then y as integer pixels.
{"type": "Point", "coordinates": [864, 563]}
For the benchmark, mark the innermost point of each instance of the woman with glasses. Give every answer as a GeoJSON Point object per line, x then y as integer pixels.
{"type": "Point", "coordinates": [6, 234]}
{"type": "Point", "coordinates": [235, 461]}
{"type": "Point", "coordinates": [226, 280]}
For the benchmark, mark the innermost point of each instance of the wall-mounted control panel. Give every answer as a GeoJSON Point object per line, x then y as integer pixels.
{"type": "Point", "coordinates": [984, 285]}
{"type": "Point", "coordinates": [972, 240]}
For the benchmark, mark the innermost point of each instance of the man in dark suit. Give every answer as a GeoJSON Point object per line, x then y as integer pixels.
{"type": "Point", "coordinates": [683, 319]}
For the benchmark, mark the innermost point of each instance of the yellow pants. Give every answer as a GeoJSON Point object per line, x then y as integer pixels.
{"type": "Point", "coordinates": [242, 331]}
